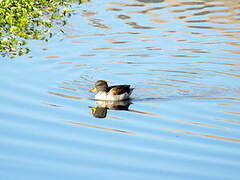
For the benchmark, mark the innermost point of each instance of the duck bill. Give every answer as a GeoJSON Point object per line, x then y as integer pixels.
{"type": "Point", "coordinates": [93, 109]}
{"type": "Point", "coordinates": [93, 90]}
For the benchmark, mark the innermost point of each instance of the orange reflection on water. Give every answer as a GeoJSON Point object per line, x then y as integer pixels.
{"type": "Point", "coordinates": [144, 112]}
{"type": "Point", "coordinates": [161, 84]}
{"type": "Point", "coordinates": [220, 98]}
{"type": "Point", "coordinates": [88, 55]}
{"type": "Point", "coordinates": [65, 62]}
{"type": "Point", "coordinates": [201, 124]}
{"type": "Point", "coordinates": [66, 96]}
{"type": "Point", "coordinates": [52, 57]}
{"type": "Point", "coordinates": [99, 127]}
{"type": "Point", "coordinates": [221, 72]}
{"type": "Point", "coordinates": [123, 17]}
{"type": "Point", "coordinates": [114, 9]}
{"type": "Point", "coordinates": [206, 135]}
{"type": "Point", "coordinates": [116, 41]}
{"type": "Point", "coordinates": [68, 88]}
{"type": "Point", "coordinates": [138, 26]}
{"type": "Point", "coordinates": [228, 120]}
{"type": "Point", "coordinates": [231, 112]}
{"type": "Point", "coordinates": [126, 4]}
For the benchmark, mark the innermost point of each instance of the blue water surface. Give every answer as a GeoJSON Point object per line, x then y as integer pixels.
{"type": "Point", "coordinates": [182, 58]}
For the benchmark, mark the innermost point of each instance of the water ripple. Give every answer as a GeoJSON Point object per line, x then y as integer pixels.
{"type": "Point", "coordinates": [182, 58]}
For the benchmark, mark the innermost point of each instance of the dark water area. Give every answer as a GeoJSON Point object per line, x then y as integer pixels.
{"type": "Point", "coordinates": [182, 58]}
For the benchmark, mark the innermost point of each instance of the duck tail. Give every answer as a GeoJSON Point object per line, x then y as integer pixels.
{"type": "Point", "coordinates": [131, 90]}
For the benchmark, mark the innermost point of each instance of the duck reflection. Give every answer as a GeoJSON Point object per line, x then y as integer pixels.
{"type": "Point", "coordinates": [103, 106]}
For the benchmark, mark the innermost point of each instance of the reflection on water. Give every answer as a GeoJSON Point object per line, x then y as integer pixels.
{"type": "Point", "coordinates": [151, 1]}
{"type": "Point", "coordinates": [103, 106]}
{"type": "Point", "coordinates": [99, 127]}
{"type": "Point", "coordinates": [181, 56]}
{"type": "Point", "coordinates": [209, 136]}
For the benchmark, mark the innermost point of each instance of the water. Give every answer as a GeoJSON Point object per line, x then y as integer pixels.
{"type": "Point", "coordinates": [182, 57]}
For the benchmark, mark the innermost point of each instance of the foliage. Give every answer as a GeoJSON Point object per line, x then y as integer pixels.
{"type": "Point", "coordinates": [29, 19]}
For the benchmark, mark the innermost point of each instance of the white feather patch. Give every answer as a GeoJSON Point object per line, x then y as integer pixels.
{"type": "Point", "coordinates": [110, 97]}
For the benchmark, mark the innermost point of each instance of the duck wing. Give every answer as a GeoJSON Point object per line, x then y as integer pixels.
{"type": "Point", "coordinates": [120, 89]}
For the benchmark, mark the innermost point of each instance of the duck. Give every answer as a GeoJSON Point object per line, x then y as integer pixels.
{"type": "Point", "coordinates": [111, 93]}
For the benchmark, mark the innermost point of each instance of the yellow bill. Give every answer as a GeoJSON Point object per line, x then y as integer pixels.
{"type": "Point", "coordinates": [93, 90]}
{"type": "Point", "coordinates": [93, 109]}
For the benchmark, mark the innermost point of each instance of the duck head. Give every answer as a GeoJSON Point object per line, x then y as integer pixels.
{"type": "Point", "coordinates": [100, 85]}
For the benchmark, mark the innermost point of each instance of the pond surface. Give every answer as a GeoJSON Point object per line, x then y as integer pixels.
{"type": "Point", "coordinates": [182, 58]}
